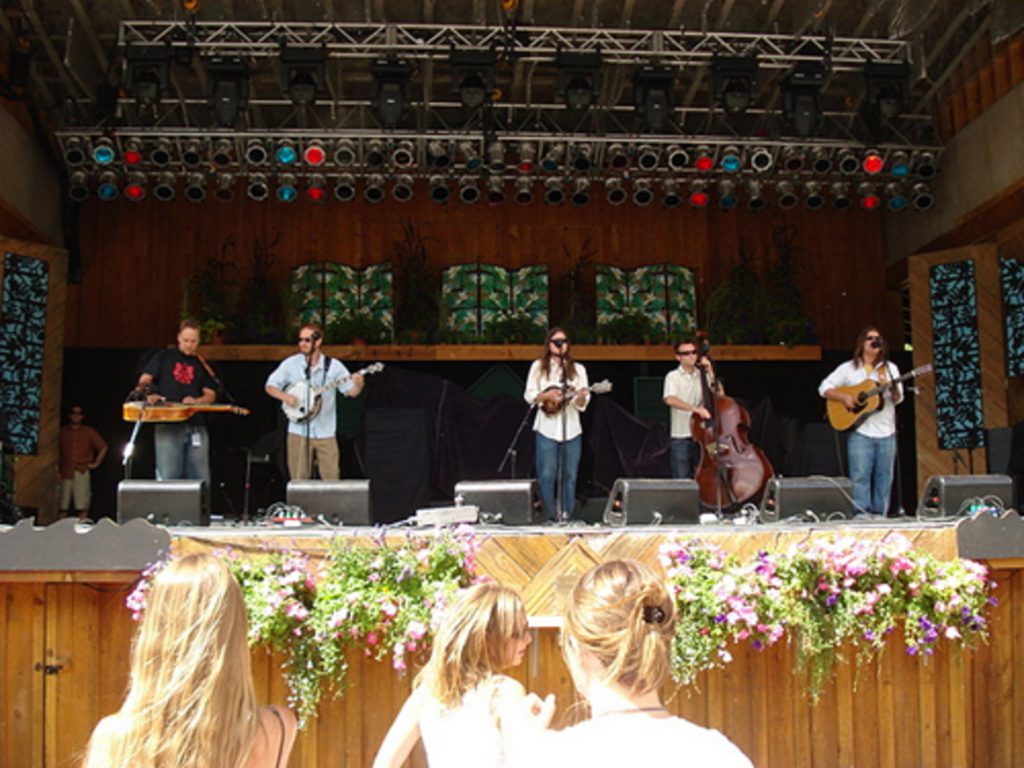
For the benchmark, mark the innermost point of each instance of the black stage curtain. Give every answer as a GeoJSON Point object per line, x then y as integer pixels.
{"type": "Point", "coordinates": [397, 461]}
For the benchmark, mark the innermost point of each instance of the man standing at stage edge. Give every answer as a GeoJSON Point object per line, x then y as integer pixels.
{"type": "Point", "coordinates": [684, 397]}
{"type": "Point", "coordinates": [313, 438]}
{"type": "Point", "coordinates": [81, 451]}
{"type": "Point", "coordinates": [180, 375]}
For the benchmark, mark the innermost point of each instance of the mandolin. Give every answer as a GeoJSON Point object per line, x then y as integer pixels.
{"type": "Point", "coordinates": [170, 412]}
{"type": "Point", "coordinates": [309, 395]}
{"type": "Point", "coordinates": [869, 399]}
{"type": "Point", "coordinates": [600, 388]}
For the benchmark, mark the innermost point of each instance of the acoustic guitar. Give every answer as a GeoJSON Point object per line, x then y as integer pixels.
{"type": "Point", "coordinates": [868, 395]}
{"type": "Point", "coordinates": [600, 388]}
{"type": "Point", "coordinates": [169, 412]}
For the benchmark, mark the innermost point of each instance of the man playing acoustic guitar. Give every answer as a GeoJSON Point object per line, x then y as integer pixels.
{"type": "Point", "coordinates": [872, 444]}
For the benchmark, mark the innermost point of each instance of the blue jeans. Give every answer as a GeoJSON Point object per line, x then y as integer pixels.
{"type": "Point", "coordinates": [684, 455]}
{"type": "Point", "coordinates": [176, 457]}
{"type": "Point", "coordinates": [871, 464]}
{"type": "Point", "coordinates": [547, 470]}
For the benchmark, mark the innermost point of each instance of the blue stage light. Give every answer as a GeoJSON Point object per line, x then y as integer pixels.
{"type": "Point", "coordinates": [107, 188]}
{"type": "Point", "coordinates": [103, 152]}
{"type": "Point", "coordinates": [286, 153]}
{"type": "Point", "coordinates": [287, 191]}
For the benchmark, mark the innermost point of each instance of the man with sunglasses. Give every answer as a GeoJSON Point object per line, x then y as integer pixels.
{"type": "Point", "coordinates": [872, 445]}
{"type": "Point", "coordinates": [683, 395]}
{"type": "Point", "coordinates": [314, 439]}
{"type": "Point", "coordinates": [81, 451]}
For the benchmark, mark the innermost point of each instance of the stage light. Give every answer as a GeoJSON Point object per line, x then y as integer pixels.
{"type": "Point", "coordinates": [578, 78]}
{"type": "Point", "coordinates": [496, 156]}
{"type": "Point", "coordinates": [734, 82]}
{"type": "Point", "coordinates": [314, 153]}
{"type": "Point", "coordinates": [821, 161]}
{"type": "Point", "coordinates": [614, 192]}
{"type": "Point", "coordinates": [899, 164]}
{"type": "Point", "coordinates": [848, 163]}
{"type": "Point", "coordinates": [438, 154]}
{"type": "Point", "coordinates": [403, 188]}
{"type": "Point", "coordinates": [107, 187]}
{"type": "Point", "coordinates": [616, 157]}
{"type": "Point", "coordinates": [580, 191]}
{"type": "Point", "coordinates": [888, 88]}
{"type": "Point", "coordinates": [582, 158]}
{"type": "Point", "coordinates": [553, 192]}
{"type": "Point", "coordinates": [869, 199]}
{"type": "Point", "coordinates": [727, 198]}
{"type": "Point", "coordinates": [74, 151]}
{"type": "Point", "coordinates": [801, 90]}
{"type": "Point", "coordinates": [793, 159]}
{"type": "Point", "coordinates": [131, 153]}
{"type": "Point", "coordinates": [813, 197]}
{"type": "Point", "coordinates": [473, 76]}
{"type": "Point", "coordinates": [222, 153]}
{"type": "Point", "coordinates": [344, 153]}
{"type": "Point", "coordinates": [643, 195]}
{"type": "Point", "coordinates": [670, 196]}
{"type": "Point", "coordinates": [287, 189]}
{"type": "Point", "coordinates": [841, 199]}
{"type": "Point", "coordinates": [922, 197]}
{"type": "Point", "coordinates": [286, 154]}
{"type": "Point", "coordinates": [755, 196]}
{"type": "Point", "coordinates": [228, 92]}
{"type": "Point", "coordinates": [677, 158]}
{"type": "Point", "coordinates": [78, 186]}
{"type": "Point", "coordinates": [652, 91]}
{"type": "Point", "coordinates": [439, 189]}
{"type": "Point", "coordinates": [647, 157]}
{"type": "Point", "coordinates": [345, 188]}
{"type": "Point", "coordinates": [705, 161]}
{"type": "Point", "coordinates": [873, 162]}
{"type": "Point", "coordinates": [373, 192]}
{"type": "Point", "coordinates": [161, 153]}
{"type": "Point", "coordinates": [192, 155]}
{"type": "Point", "coordinates": [469, 192]}
{"type": "Point", "coordinates": [388, 92]}
{"type": "Point", "coordinates": [195, 187]}
{"type": "Point", "coordinates": [470, 156]}
{"type": "Point", "coordinates": [553, 157]}
{"type": "Point", "coordinates": [303, 73]}
{"type": "Point", "coordinates": [375, 153]}
{"type": "Point", "coordinates": [147, 71]}
{"type": "Point", "coordinates": [495, 190]}
{"type": "Point", "coordinates": [697, 194]}
{"type": "Point", "coordinates": [527, 157]}
{"type": "Point", "coordinates": [103, 151]}
{"type": "Point", "coordinates": [924, 165]}
{"type": "Point", "coordinates": [785, 195]}
{"type": "Point", "coordinates": [164, 187]}
{"type": "Point", "coordinates": [225, 189]}
{"type": "Point", "coordinates": [257, 188]}
{"type": "Point", "coordinates": [524, 191]}
{"type": "Point", "coordinates": [761, 160]}
{"type": "Point", "coordinates": [895, 199]}
{"type": "Point", "coordinates": [256, 152]}
{"type": "Point", "coordinates": [730, 160]}
{"type": "Point", "coordinates": [316, 188]}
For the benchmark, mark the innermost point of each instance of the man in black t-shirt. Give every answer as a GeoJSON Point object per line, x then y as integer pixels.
{"type": "Point", "coordinates": [177, 375]}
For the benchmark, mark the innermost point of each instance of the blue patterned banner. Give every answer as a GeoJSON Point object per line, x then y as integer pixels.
{"type": "Point", "coordinates": [1012, 272]}
{"type": "Point", "coordinates": [957, 356]}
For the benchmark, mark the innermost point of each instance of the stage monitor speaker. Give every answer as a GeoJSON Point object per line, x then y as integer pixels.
{"type": "Point", "coordinates": [642, 501]}
{"type": "Point", "coordinates": [949, 495]}
{"type": "Point", "coordinates": [509, 502]}
{"type": "Point", "coordinates": [812, 498]}
{"type": "Point", "coordinates": [338, 502]}
{"type": "Point", "coordinates": [163, 502]}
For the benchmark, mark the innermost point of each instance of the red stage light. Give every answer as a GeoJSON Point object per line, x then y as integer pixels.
{"type": "Point", "coordinates": [873, 163]}
{"type": "Point", "coordinates": [705, 163]}
{"type": "Point", "coordinates": [134, 192]}
{"type": "Point", "coordinates": [314, 155]}
{"type": "Point", "coordinates": [525, 166]}
{"type": "Point", "coordinates": [132, 157]}
{"type": "Point", "coordinates": [316, 194]}
{"type": "Point", "coordinates": [870, 202]}
{"type": "Point", "coordinates": [699, 199]}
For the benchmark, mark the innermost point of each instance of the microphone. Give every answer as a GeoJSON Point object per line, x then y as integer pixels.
{"type": "Point", "coordinates": [315, 336]}
{"type": "Point", "coordinates": [876, 343]}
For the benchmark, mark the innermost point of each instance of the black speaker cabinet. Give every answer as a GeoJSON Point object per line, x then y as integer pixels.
{"type": "Point", "coordinates": [163, 502]}
{"type": "Point", "coordinates": [946, 495]}
{"type": "Point", "coordinates": [824, 498]}
{"type": "Point", "coordinates": [339, 502]}
{"type": "Point", "coordinates": [642, 501]}
{"type": "Point", "coordinates": [511, 502]}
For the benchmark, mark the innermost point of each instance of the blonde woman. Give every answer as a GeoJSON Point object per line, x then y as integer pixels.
{"type": "Point", "coordinates": [618, 628]}
{"type": "Point", "coordinates": [460, 700]}
{"type": "Point", "coordinates": [190, 701]}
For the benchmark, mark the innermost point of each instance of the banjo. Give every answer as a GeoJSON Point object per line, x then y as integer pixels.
{"type": "Point", "coordinates": [309, 395]}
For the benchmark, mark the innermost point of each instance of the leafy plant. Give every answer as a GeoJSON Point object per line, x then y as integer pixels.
{"type": "Point", "coordinates": [417, 288]}
{"type": "Point", "coordinates": [211, 293]}
{"type": "Point", "coordinates": [358, 327]}
{"type": "Point", "coordinates": [260, 305]}
{"type": "Point", "coordinates": [577, 286]}
{"type": "Point", "coordinates": [631, 327]}
{"type": "Point", "coordinates": [514, 329]}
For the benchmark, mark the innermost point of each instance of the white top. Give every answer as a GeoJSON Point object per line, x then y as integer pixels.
{"type": "Point", "coordinates": [292, 369]}
{"type": "Point", "coordinates": [466, 736]}
{"type": "Point", "coordinates": [685, 386]}
{"type": "Point", "coordinates": [882, 423]}
{"type": "Point", "coordinates": [550, 425]}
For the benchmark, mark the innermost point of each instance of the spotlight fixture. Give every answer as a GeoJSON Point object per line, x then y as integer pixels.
{"type": "Point", "coordinates": [801, 91]}
{"type": "Point", "coordinates": [873, 162]}
{"type": "Point", "coordinates": [286, 154]}
{"type": "Point", "coordinates": [103, 151]}
{"type": "Point", "coordinates": [438, 155]}
{"type": "Point", "coordinates": [314, 153]}
{"type": "Point", "coordinates": [922, 197]}
{"type": "Point", "coordinates": [257, 188]}
{"type": "Point", "coordinates": [496, 156]}
{"type": "Point", "coordinates": [225, 189]}
{"type": "Point", "coordinates": [643, 195]}
{"type": "Point", "coordinates": [553, 157]}
{"type": "Point", "coordinates": [74, 151]}
{"type": "Point", "coordinates": [924, 165]}
{"type": "Point", "coordinates": [705, 161]}
{"type": "Point", "coordinates": [841, 199]}
{"type": "Point", "coordinates": [473, 76]}
{"type": "Point", "coordinates": [147, 71]}
{"type": "Point", "coordinates": [374, 153]}
{"type": "Point", "coordinates": [470, 156]}
{"type": "Point", "coordinates": [698, 196]}
{"type": "Point", "coordinates": [581, 157]}
{"type": "Point", "coordinates": [192, 155]}
{"type": "Point", "coordinates": [813, 197]}
{"type": "Point", "coordinates": [256, 152]}
{"type": "Point", "coordinates": [793, 159]}
{"type": "Point", "coordinates": [402, 190]}
{"type": "Point", "coordinates": [670, 196]}
{"type": "Point", "coordinates": [869, 198]}
{"type": "Point", "coordinates": [527, 157]}
{"type": "Point", "coordinates": [131, 153]}
{"type": "Point", "coordinates": [344, 153]}
{"type": "Point", "coordinates": [578, 78]}
{"type": "Point", "coordinates": [887, 90]}
{"type": "Point", "coordinates": [195, 188]}
{"type": "Point", "coordinates": [899, 164]}
{"type": "Point", "coordinates": [580, 191]}
{"type": "Point", "coordinates": [821, 161]}
{"type": "Point", "coordinates": [614, 192]}
{"type": "Point", "coordinates": [303, 73]}
{"type": "Point", "coordinates": [78, 186]}
{"type": "Point", "coordinates": [553, 192]}
{"type": "Point", "coordinates": [727, 198]}
{"type": "Point", "coordinates": [107, 187]}
{"type": "Point", "coordinates": [469, 192]}
{"type": "Point", "coordinates": [616, 157]}
{"type": "Point", "coordinates": [316, 188]}
{"type": "Point", "coordinates": [785, 195]}
{"type": "Point", "coordinates": [761, 160]}
{"type": "Point", "coordinates": [495, 190]}
{"type": "Point", "coordinates": [221, 153]}
{"type": "Point", "coordinates": [228, 88]}
{"type": "Point", "coordinates": [647, 157]}
{"type": "Point", "coordinates": [755, 197]}
{"type": "Point", "coordinates": [135, 187]}
{"type": "Point", "coordinates": [729, 160]}
{"type": "Point", "coordinates": [389, 92]}
{"type": "Point", "coordinates": [373, 192]}
{"type": "Point", "coordinates": [287, 188]}
{"type": "Point", "coordinates": [161, 153]}
{"type": "Point", "coordinates": [524, 190]}
{"type": "Point", "coordinates": [164, 188]}
{"type": "Point", "coordinates": [404, 154]}
{"type": "Point", "coordinates": [439, 189]}
{"type": "Point", "coordinates": [734, 82]}
{"type": "Point", "coordinates": [895, 199]}
{"type": "Point", "coordinates": [677, 158]}
{"type": "Point", "coordinates": [848, 163]}
{"type": "Point", "coordinates": [345, 188]}
{"type": "Point", "coordinates": [652, 91]}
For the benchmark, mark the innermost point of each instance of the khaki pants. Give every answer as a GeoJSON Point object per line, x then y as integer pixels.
{"type": "Point", "coordinates": [78, 489]}
{"type": "Point", "coordinates": [324, 451]}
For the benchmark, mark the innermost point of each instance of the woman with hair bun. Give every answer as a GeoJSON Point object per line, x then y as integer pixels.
{"type": "Point", "coordinates": [191, 702]}
{"type": "Point", "coordinates": [460, 701]}
{"type": "Point", "coordinates": [619, 623]}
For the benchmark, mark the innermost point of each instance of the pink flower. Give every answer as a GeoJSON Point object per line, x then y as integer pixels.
{"type": "Point", "coordinates": [952, 633]}
{"type": "Point", "coordinates": [372, 638]}
{"type": "Point", "coordinates": [417, 630]}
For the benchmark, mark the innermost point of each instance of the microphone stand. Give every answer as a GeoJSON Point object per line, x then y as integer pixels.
{"type": "Point", "coordinates": [510, 452]}
{"type": "Point", "coordinates": [308, 447]}
{"type": "Point", "coordinates": [129, 448]}
{"type": "Point", "coordinates": [561, 514]}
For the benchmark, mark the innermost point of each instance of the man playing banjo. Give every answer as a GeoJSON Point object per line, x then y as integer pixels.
{"type": "Point", "coordinates": [306, 383]}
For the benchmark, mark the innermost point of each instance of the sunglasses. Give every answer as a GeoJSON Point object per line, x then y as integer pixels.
{"type": "Point", "coordinates": [559, 342]}
{"type": "Point", "coordinates": [305, 339]}
{"type": "Point", "coordinates": [685, 352]}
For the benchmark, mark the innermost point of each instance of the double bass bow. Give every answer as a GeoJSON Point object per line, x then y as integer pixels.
{"type": "Point", "coordinates": [732, 470]}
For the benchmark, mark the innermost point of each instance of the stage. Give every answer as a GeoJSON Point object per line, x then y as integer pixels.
{"type": "Point", "coordinates": [67, 635]}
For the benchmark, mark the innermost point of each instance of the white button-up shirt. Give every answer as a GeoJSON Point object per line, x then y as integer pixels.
{"type": "Point", "coordinates": [550, 424]}
{"type": "Point", "coordinates": [882, 422]}
{"type": "Point", "coordinates": [292, 369]}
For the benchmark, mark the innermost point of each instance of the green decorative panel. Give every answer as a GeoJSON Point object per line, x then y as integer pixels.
{"type": "Point", "coordinates": [325, 293]}
{"type": "Point", "coordinates": [665, 293]}
{"type": "Point", "coordinates": [477, 295]}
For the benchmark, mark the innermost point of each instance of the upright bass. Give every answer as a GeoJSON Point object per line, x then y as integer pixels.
{"type": "Point", "coordinates": [732, 470]}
